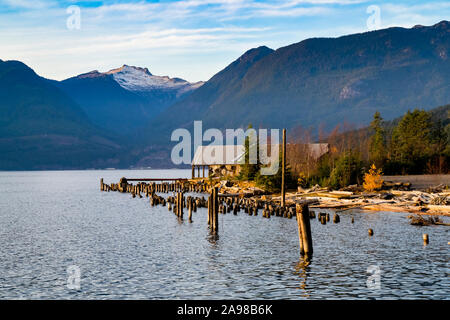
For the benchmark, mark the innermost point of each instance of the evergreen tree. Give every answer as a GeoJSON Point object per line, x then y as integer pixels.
{"type": "Point", "coordinates": [348, 170]}
{"type": "Point", "coordinates": [439, 138]}
{"type": "Point", "coordinates": [249, 170]}
{"type": "Point", "coordinates": [411, 141]}
{"type": "Point", "coordinates": [377, 147]}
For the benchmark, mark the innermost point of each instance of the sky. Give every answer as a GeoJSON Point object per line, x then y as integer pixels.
{"type": "Point", "coordinates": [189, 39]}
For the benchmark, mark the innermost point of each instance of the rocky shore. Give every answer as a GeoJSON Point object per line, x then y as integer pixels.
{"type": "Point", "coordinates": [395, 197]}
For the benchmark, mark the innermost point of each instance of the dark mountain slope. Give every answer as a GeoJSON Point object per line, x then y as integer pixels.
{"type": "Point", "coordinates": [108, 104]}
{"type": "Point", "coordinates": [30, 105]}
{"type": "Point", "coordinates": [41, 127]}
{"type": "Point", "coordinates": [215, 91]}
{"type": "Point", "coordinates": [322, 81]}
{"type": "Point", "coordinates": [124, 99]}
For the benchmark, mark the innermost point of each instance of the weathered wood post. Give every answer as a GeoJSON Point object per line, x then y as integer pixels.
{"type": "Point", "coordinates": [425, 238]}
{"type": "Point", "coordinates": [336, 218]}
{"type": "Point", "coordinates": [175, 204]}
{"type": "Point", "coordinates": [215, 209]}
{"type": "Point", "coordinates": [177, 210]}
{"type": "Point", "coordinates": [123, 184]}
{"type": "Point", "coordinates": [209, 209]}
{"type": "Point", "coordinates": [283, 171]}
{"type": "Point", "coordinates": [304, 229]}
{"type": "Point", "coordinates": [190, 204]}
{"type": "Point", "coordinates": [180, 205]}
{"type": "Point", "coordinates": [101, 184]}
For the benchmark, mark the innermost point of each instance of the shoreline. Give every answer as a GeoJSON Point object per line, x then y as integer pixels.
{"type": "Point", "coordinates": [390, 200]}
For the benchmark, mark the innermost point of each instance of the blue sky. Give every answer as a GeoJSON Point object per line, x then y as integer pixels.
{"type": "Point", "coordinates": [191, 39]}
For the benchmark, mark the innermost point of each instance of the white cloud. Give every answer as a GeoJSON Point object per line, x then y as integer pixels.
{"type": "Point", "coordinates": [29, 4]}
{"type": "Point", "coordinates": [400, 15]}
{"type": "Point", "coordinates": [215, 31]}
{"type": "Point", "coordinates": [226, 10]}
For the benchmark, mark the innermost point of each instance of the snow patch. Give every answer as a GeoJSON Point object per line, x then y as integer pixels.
{"type": "Point", "coordinates": [140, 79]}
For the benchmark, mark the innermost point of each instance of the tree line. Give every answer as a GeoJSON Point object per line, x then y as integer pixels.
{"type": "Point", "coordinates": [417, 143]}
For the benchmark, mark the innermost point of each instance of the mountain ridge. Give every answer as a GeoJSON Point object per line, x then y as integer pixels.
{"type": "Point", "coordinates": [91, 120]}
{"type": "Point", "coordinates": [42, 128]}
{"type": "Point", "coordinates": [324, 81]}
{"type": "Point", "coordinates": [125, 98]}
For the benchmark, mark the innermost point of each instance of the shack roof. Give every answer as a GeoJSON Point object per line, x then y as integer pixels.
{"type": "Point", "coordinates": [318, 149]}
{"type": "Point", "coordinates": [218, 154]}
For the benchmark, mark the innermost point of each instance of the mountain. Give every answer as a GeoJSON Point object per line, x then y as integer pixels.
{"type": "Point", "coordinates": [123, 99]}
{"type": "Point", "coordinates": [41, 127]}
{"type": "Point", "coordinates": [217, 90]}
{"type": "Point", "coordinates": [124, 117]}
{"type": "Point", "coordinates": [141, 81]}
{"type": "Point", "coordinates": [27, 99]}
{"type": "Point", "coordinates": [321, 82]}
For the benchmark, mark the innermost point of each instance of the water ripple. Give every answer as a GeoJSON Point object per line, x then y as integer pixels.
{"type": "Point", "coordinates": [126, 249]}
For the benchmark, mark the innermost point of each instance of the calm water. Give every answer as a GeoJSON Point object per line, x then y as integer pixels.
{"type": "Point", "coordinates": [127, 250]}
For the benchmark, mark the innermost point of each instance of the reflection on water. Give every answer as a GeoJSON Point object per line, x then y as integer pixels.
{"type": "Point", "coordinates": [126, 249]}
{"type": "Point", "coordinates": [213, 238]}
{"type": "Point", "coordinates": [301, 269]}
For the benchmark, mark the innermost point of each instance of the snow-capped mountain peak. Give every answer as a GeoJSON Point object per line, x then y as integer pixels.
{"type": "Point", "coordinates": [140, 79]}
{"type": "Point", "coordinates": [129, 69]}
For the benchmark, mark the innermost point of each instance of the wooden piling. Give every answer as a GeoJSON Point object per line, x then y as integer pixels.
{"type": "Point", "coordinates": [209, 210]}
{"type": "Point", "coordinates": [123, 185]}
{"type": "Point", "coordinates": [336, 218]}
{"type": "Point", "coordinates": [425, 238]}
{"type": "Point", "coordinates": [190, 204]}
{"type": "Point", "coordinates": [180, 205]}
{"type": "Point", "coordinates": [304, 229]}
{"type": "Point", "coordinates": [215, 209]}
{"type": "Point", "coordinates": [214, 205]}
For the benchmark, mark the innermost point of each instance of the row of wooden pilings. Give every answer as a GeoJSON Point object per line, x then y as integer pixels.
{"type": "Point", "coordinates": [178, 202]}
{"type": "Point", "coordinates": [163, 187]}
{"type": "Point", "coordinates": [218, 204]}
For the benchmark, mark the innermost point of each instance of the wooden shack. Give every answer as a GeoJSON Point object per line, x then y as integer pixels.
{"type": "Point", "coordinates": [218, 161]}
